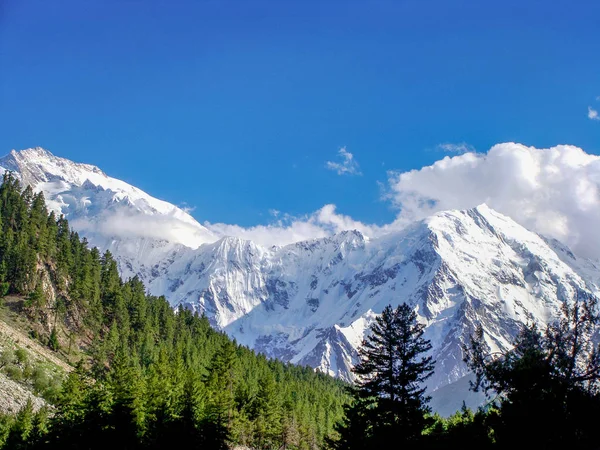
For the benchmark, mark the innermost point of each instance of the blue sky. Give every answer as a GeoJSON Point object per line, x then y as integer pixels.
{"type": "Point", "coordinates": [235, 108]}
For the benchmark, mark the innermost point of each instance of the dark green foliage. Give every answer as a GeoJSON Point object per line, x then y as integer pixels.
{"type": "Point", "coordinates": [266, 413]}
{"type": "Point", "coordinates": [21, 429]}
{"type": "Point", "coordinates": [53, 340]}
{"type": "Point", "coordinates": [464, 429]}
{"type": "Point", "coordinates": [150, 376]}
{"type": "Point", "coordinates": [390, 403]}
{"type": "Point", "coordinates": [26, 430]}
{"type": "Point", "coordinates": [36, 299]}
{"type": "Point", "coordinates": [547, 387]}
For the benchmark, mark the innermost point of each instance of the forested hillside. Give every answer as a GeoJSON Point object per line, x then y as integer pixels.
{"type": "Point", "coordinates": [146, 376]}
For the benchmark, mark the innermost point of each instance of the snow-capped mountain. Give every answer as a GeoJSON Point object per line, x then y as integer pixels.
{"type": "Point", "coordinates": [138, 228]}
{"type": "Point", "coordinates": [311, 302]}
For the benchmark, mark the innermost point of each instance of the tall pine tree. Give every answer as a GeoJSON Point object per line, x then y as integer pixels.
{"type": "Point", "coordinates": [390, 403]}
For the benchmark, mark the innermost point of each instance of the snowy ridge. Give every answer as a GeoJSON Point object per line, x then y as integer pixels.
{"type": "Point", "coordinates": [109, 212]}
{"type": "Point", "coordinates": [310, 302]}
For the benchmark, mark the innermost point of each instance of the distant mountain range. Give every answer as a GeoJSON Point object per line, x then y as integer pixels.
{"type": "Point", "coordinates": [310, 302]}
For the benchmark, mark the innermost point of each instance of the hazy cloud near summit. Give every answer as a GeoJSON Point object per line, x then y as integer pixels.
{"type": "Point", "coordinates": [287, 230]}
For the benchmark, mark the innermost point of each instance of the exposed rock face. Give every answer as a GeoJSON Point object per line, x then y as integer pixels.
{"type": "Point", "coordinates": [13, 396]}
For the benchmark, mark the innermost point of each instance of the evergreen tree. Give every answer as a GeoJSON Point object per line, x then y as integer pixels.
{"type": "Point", "coordinates": [354, 431]}
{"type": "Point", "coordinates": [71, 407]}
{"type": "Point", "coordinates": [36, 299]}
{"type": "Point", "coordinates": [128, 409]}
{"type": "Point", "coordinates": [266, 413]}
{"type": "Point", "coordinates": [220, 411]}
{"type": "Point", "coordinates": [193, 411]}
{"type": "Point", "coordinates": [53, 340]}
{"type": "Point", "coordinates": [390, 397]}
{"type": "Point", "coordinates": [547, 386]}
{"type": "Point", "coordinates": [22, 428]}
{"type": "Point", "coordinates": [39, 427]}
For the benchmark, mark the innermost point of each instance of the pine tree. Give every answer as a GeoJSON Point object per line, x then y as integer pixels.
{"type": "Point", "coordinates": [220, 381]}
{"type": "Point", "coordinates": [354, 431]}
{"type": "Point", "coordinates": [36, 299]}
{"type": "Point", "coordinates": [40, 426]}
{"type": "Point", "coordinates": [136, 303]}
{"type": "Point", "coordinates": [22, 428]}
{"type": "Point", "coordinates": [128, 412]}
{"type": "Point", "coordinates": [391, 405]}
{"type": "Point", "coordinates": [53, 340]}
{"type": "Point", "coordinates": [266, 413]}
{"type": "Point", "coordinates": [193, 411]}
{"type": "Point", "coordinates": [71, 406]}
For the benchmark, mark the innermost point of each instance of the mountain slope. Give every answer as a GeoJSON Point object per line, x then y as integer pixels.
{"type": "Point", "coordinates": [311, 302]}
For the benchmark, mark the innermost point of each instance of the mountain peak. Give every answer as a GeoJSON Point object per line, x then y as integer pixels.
{"type": "Point", "coordinates": [351, 238]}
{"type": "Point", "coordinates": [36, 165]}
{"type": "Point", "coordinates": [483, 208]}
{"type": "Point", "coordinates": [31, 153]}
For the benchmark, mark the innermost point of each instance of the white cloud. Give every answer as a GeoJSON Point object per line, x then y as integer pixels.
{"type": "Point", "coordinates": [186, 208]}
{"type": "Point", "coordinates": [553, 191]}
{"type": "Point", "coordinates": [593, 114]}
{"type": "Point", "coordinates": [461, 147]}
{"type": "Point", "coordinates": [278, 233]}
{"type": "Point", "coordinates": [328, 217]}
{"type": "Point", "coordinates": [348, 166]}
{"type": "Point", "coordinates": [126, 223]}
{"type": "Point", "coordinates": [321, 223]}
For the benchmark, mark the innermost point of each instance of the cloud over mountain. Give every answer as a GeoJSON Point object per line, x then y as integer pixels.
{"type": "Point", "coordinates": [553, 191]}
